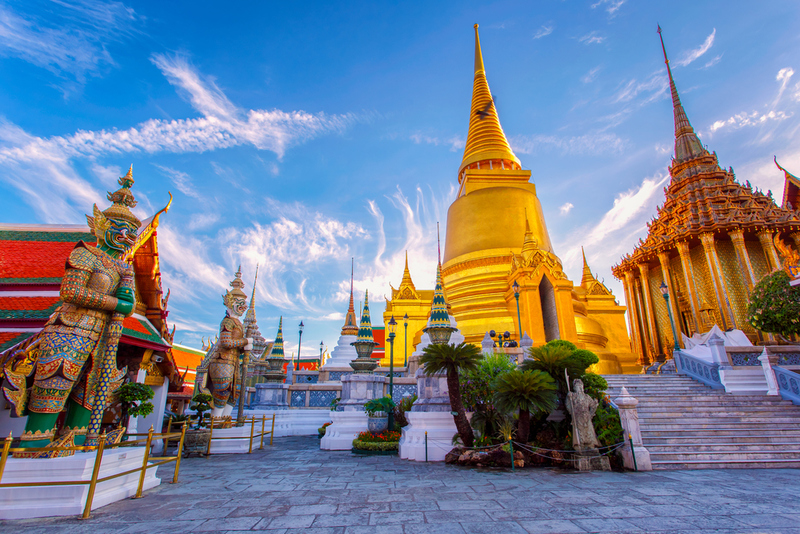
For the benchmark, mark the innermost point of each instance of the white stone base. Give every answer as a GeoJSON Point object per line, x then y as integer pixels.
{"type": "Point", "coordinates": [642, 459]}
{"type": "Point", "coordinates": [234, 446]}
{"type": "Point", "coordinates": [293, 422]}
{"type": "Point", "coordinates": [345, 428]}
{"type": "Point", "coordinates": [52, 501]}
{"type": "Point", "coordinates": [440, 427]}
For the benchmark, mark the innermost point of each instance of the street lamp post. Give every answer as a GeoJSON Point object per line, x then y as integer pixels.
{"type": "Point", "coordinates": [392, 329]}
{"type": "Point", "coordinates": [519, 321]}
{"type": "Point", "coordinates": [299, 344]}
{"type": "Point", "coordinates": [405, 340]}
{"type": "Point", "coordinates": [321, 346]}
{"type": "Point", "coordinates": [665, 291]}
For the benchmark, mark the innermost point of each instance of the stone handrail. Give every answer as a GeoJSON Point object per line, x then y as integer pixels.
{"type": "Point", "coordinates": [744, 356]}
{"type": "Point", "coordinates": [705, 372]}
{"type": "Point", "coordinates": [634, 454]}
{"type": "Point", "coordinates": [788, 383]}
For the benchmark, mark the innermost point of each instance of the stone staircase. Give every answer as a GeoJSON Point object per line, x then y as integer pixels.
{"type": "Point", "coordinates": [688, 425]}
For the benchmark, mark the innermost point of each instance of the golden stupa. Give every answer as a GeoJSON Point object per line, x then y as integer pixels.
{"type": "Point", "coordinates": [496, 236]}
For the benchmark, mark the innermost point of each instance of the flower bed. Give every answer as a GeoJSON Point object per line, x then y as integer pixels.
{"type": "Point", "coordinates": [377, 442]}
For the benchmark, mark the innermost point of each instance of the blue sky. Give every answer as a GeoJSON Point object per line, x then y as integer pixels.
{"type": "Point", "coordinates": [298, 135]}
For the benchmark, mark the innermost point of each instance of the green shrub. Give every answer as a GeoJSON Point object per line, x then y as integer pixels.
{"type": "Point", "coordinates": [562, 343]}
{"type": "Point", "coordinates": [400, 410]}
{"type": "Point", "coordinates": [321, 430]}
{"type": "Point", "coordinates": [594, 385]}
{"type": "Point", "coordinates": [376, 406]}
{"type": "Point", "coordinates": [375, 446]}
{"type": "Point", "coordinates": [585, 358]}
{"type": "Point", "coordinates": [607, 425]}
{"type": "Point", "coordinates": [384, 436]}
{"type": "Point", "coordinates": [201, 403]}
{"type": "Point", "coordinates": [133, 397]}
{"type": "Point", "coordinates": [775, 305]}
{"type": "Point", "coordinates": [476, 390]}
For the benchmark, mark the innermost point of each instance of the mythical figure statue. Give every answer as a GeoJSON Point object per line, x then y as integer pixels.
{"type": "Point", "coordinates": [72, 361]}
{"type": "Point", "coordinates": [582, 408]}
{"type": "Point", "coordinates": [222, 361]}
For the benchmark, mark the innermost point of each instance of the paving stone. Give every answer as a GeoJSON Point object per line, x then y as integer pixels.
{"type": "Point", "coordinates": [227, 523]}
{"type": "Point", "coordinates": [453, 516]}
{"type": "Point", "coordinates": [605, 525]}
{"type": "Point", "coordinates": [493, 527]}
{"type": "Point", "coordinates": [289, 521]}
{"type": "Point", "coordinates": [396, 518]}
{"type": "Point", "coordinates": [551, 526]}
{"type": "Point", "coordinates": [342, 520]}
{"type": "Point", "coordinates": [437, 528]}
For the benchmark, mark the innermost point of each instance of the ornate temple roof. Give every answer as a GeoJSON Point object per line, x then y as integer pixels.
{"type": "Point", "coordinates": [702, 197]}
{"type": "Point", "coordinates": [791, 188]}
{"type": "Point", "coordinates": [407, 289]}
{"type": "Point", "coordinates": [485, 139]}
{"type": "Point", "coordinates": [589, 282]}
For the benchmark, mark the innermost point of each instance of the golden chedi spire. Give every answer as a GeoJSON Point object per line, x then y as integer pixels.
{"type": "Point", "coordinates": [407, 281]}
{"type": "Point", "coordinates": [350, 327]}
{"type": "Point", "coordinates": [486, 141]}
{"type": "Point", "coordinates": [687, 144]}
{"type": "Point", "coordinates": [530, 244]}
{"type": "Point", "coordinates": [587, 272]}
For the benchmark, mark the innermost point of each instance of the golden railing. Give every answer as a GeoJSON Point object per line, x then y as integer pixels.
{"type": "Point", "coordinates": [100, 447]}
{"type": "Point", "coordinates": [253, 435]}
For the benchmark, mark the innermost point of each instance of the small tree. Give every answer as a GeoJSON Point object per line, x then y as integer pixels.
{"type": "Point", "coordinates": [775, 305]}
{"type": "Point", "coordinates": [133, 397]}
{"type": "Point", "coordinates": [201, 403]}
{"type": "Point", "coordinates": [526, 391]}
{"type": "Point", "coordinates": [451, 359]}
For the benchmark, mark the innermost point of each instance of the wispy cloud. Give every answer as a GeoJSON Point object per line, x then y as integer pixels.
{"type": "Point", "coordinates": [591, 38]}
{"type": "Point", "coordinates": [694, 54]}
{"type": "Point", "coordinates": [223, 125]}
{"type": "Point", "coordinates": [72, 42]}
{"type": "Point", "coordinates": [590, 143]}
{"type": "Point", "coordinates": [544, 31]}
{"type": "Point", "coordinates": [653, 87]}
{"type": "Point", "coordinates": [566, 208]}
{"type": "Point", "coordinates": [181, 180]}
{"type": "Point", "coordinates": [590, 76]}
{"type": "Point", "coordinates": [612, 6]}
{"type": "Point", "coordinates": [713, 61]}
{"type": "Point", "coordinates": [455, 142]}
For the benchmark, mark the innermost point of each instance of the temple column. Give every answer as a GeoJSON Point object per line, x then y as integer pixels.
{"type": "Point", "coordinates": [688, 274]}
{"type": "Point", "coordinates": [633, 317]}
{"type": "Point", "coordinates": [765, 237]}
{"type": "Point", "coordinates": [737, 237]}
{"type": "Point", "coordinates": [716, 278]}
{"type": "Point", "coordinates": [663, 258]}
{"type": "Point", "coordinates": [642, 316]}
{"type": "Point", "coordinates": [650, 311]}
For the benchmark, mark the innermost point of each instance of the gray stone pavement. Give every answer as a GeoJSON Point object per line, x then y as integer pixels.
{"type": "Point", "coordinates": [295, 487]}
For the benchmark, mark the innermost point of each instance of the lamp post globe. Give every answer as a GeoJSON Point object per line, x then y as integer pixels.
{"type": "Point", "coordinates": [392, 332]}
{"type": "Point", "coordinates": [405, 340]}
{"type": "Point", "coordinates": [299, 344]}
{"type": "Point", "coordinates": [321, 346]}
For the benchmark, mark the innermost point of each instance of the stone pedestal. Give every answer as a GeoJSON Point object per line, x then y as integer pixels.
{"type": "Point", "coordinates": [349, 418]}
{"type": "Point", "coordinates": [271, 396]}
{"type": "Point", "coordinates": [432, 393]}
{"type": "Point", "coordinates": [51, 501]}
{"type": "Point", "coordinates": [440, 428]}
{"type": "Point", "coordinates": [590, 460]}
{"type": "Point", "coordinates": [629, 418]}
{"type": "Point", "coordinates": [344, 428]}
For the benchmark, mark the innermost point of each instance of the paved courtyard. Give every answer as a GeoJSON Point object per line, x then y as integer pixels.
{"type": "Point", "coordinates": [295, 487]}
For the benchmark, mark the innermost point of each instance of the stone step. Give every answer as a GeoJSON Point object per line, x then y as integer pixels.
{"type": "Point", "coordinates": [723, 447]}
{"type": "Point", "coordinates": [726, 464]}
{"type": "Point", "coordinates": [723, 412]}
{"type": "Point", "coordinates": [722, 401]}
{"type": "Point", "coordinates": [723, 455]}
{"type": "Point", "coordinates": [721, 420]}
{"type": "Point", "coordinates": [707, 432]}
{"type": "Point", "coordinates": [721, 439]}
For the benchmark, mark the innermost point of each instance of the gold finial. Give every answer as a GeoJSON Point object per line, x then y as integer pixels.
{"type": "Point", "coordinates": [478, 54]}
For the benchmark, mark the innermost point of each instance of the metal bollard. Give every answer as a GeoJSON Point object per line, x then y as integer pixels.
{"type": "Point", "coordinates": [633, 453]}
{"type": "Point", "coordinates": [426, 445]}
{"type": "Point", "coordinates": [101, 444]}
{"type": "Point", "coordinates": [511, 444]}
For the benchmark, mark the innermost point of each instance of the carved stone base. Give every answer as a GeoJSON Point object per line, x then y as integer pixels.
{"type": "Point", "coordinates": [588, 461]}
{"type": "Point", "coordinates": [344, 429]}
{"type": "Point", "coordinates": [440, 429]}
{"type": "Point", "coordinates": [271, 396]}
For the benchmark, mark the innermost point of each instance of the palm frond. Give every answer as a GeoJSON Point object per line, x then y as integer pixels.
{"type": "Point", "coordinates": [450, 358]}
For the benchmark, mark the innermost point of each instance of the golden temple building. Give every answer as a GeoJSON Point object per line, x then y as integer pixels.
{"type": "Point", "coordinates": [496, 236]}
{"type": "Point", "coordinates": [710, 243]}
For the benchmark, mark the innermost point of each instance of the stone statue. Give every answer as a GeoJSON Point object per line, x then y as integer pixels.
{"type": "Point", "coordinates": [222, 361]}
{"type": "Point", "coordinates": [582, 408]}
{"type": "Point", "coordinates": [72, 361]}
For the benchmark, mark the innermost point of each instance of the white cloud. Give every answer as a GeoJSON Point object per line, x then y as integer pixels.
{"type": "Point", "coordinates": [455, 142]}
{"type": "Point", "coordinates": [73, 41]}
{"type": "Point", "coordinates": [591, 38]}
{"type": "Point", "coordinates": [654, 86]}
{"type": "Point", "coordinates": [181, 180]}
{"type": "Point", "coordinates": [713, 61]}
{"type": "Point", "coordinates": [590, 143]}
{"type": "Point", "coordinates": [698, 52]}
{"type": "Point", "coordinates": [24, 157]}
{"type": "Point", "coordinates": [612, 6]}
{"type": "Point", "coordinates": [744, 119]}
{"type": "Point", "coordinates": [566, 208]}
{"type": "Point", "coordinates": [544, 31]}
{"type": "Point", "coordinates": [591, 75]}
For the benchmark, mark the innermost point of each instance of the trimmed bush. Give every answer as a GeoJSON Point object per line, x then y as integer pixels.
{"type": "Point", "coordinates": [375, 446]}
{"type": "Point", "coordinates": [585, 358]}
{"type": "Point", "coordinates": [775, 305]}
{"type": "Point", "coordinates": [594, 385]}
{"type": "Point", "coordinates": [562, 343]}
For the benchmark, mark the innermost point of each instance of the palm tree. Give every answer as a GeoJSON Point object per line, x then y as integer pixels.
{"type": "Point", "coordinates": [526, 391]}
{"type": "Point", "coordinates": [554, 359]}
{"type": "Point", "coordinates": [451, 359]}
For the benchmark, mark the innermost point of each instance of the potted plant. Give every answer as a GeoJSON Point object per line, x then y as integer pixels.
{"type": "Point", "coordinates": [378, 413]}
{"type": "Point", "coordinates": [133, 398]}
{"type": "Point", "coordinates": [197, 438]}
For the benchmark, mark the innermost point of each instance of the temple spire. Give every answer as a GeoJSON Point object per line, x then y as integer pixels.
{"type": "Point", "coordinates": [407, 281]}
{"type": "Point", "coordinates": [587, 272]}
{"type": "Point", "coordinates": [486, 143]}
{"type": "Point", "coordinates": [350, 327]}
{"type": "Point", "coordinates": [687, 144]}
{"type": "Point", "coordinates": [529, 244]}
